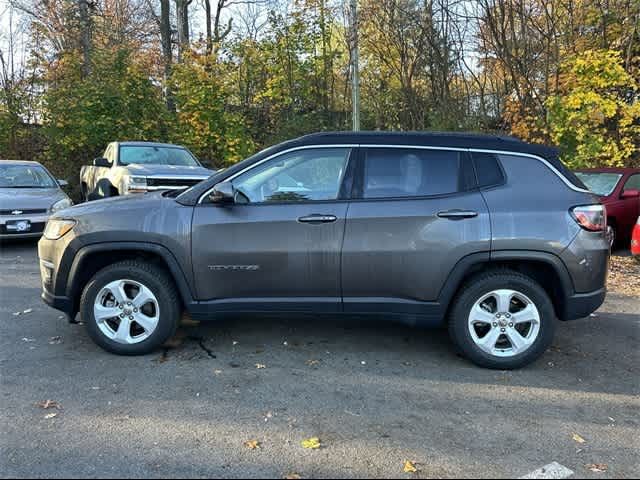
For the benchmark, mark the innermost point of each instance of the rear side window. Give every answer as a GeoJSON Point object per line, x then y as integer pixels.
{"type": "Point", "coordinates": [633, 183]}
{"type": "Point", "coordinates": [399, 172]}
{"type": "Point", "coordinates": [488, 170]}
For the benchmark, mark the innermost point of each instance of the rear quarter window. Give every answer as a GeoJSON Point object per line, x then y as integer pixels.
{"type": "Point", "coordinates": [488, 170]}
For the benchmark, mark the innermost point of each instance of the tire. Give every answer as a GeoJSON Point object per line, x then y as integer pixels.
{"type": "Point", "coordinates": [492, 285]}
{"type": "Point", "coordinates": [162, 311]}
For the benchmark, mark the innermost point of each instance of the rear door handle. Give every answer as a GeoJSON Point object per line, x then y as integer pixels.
{"type": "Point", "coordinates": [317, 218]}
{"type": "Point", "coordinates": [457, 214]}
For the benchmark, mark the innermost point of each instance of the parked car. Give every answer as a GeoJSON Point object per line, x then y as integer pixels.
{"type": "Point", "coordinates": [635, 239]}
{"type": "Point", "coordinates": [619, 189]}
{"type": "Point", "coordinates": [490, 235]}
{"type": "Point", "coordinates": [29, 194]}
{"type": "Point", "coordinates": [138, 167]}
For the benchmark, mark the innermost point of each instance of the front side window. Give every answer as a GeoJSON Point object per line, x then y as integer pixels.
{"type": "Point", "coordinates": [399, 172]}
{"type": "Point", "coordinates": [633, 183]}
{"type": "Point", "coordinates": [602, 184]}
{"type": "Point", "coordinates": [25, 176]}
{"type": "Point", "coordinates": [154, 155]}
{"type": "Point", "coordinates": [303, 175]}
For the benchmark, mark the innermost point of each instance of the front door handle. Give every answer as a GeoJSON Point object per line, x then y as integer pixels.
{"type": "Point", "coordinates": [317, 218]}
{"type": "Point", "coordinates": [458, 214]}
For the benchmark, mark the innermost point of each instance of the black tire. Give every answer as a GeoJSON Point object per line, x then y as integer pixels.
{"type": "Point", "coordinates": [482, 284]}
{"type": "Point", "coordinates": [154, 278]}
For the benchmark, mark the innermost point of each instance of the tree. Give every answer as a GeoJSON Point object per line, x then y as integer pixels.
{"type": "Point", "coordinates": [595, 115]}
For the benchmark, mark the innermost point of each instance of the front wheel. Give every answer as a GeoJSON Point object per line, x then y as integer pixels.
{"type": "Point", "coordinates": [130, 308]}
{"type": "Point", "coordinates": [502, 320]}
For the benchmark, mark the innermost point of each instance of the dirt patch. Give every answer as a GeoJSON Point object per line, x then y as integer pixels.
{"type": "Point", "coordinates": [624, 276]}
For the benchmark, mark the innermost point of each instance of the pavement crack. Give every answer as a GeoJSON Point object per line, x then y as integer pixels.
{"type": "Point", "coordinates": [200, 342]}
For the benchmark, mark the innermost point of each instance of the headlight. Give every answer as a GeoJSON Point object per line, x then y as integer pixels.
{"type": "Point", "coordinates": [57, 228]}
{"type": "Point", "coordinates": [135, 184]}
{"type": "Point", "coordinates": [60, 204]}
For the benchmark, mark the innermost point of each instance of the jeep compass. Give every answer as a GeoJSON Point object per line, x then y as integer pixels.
{"type": "Point", "coordinates": [489, 236]}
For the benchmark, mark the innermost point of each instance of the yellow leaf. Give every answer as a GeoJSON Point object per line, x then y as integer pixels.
{"type": "Point", "coordinates": [410, 467]}
{"type": "Point", "coordinates": [252, 444]}
{"type": "Point", "coordinates": [260, 366]}
{"type": "Point", "coordinates": [311, 443]}
{"type": "Point", "coordinates": [578, 438]}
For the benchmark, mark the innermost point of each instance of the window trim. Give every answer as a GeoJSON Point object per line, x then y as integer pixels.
{"type": "Point", "coordinates": [348, 176]}
{"type": "Point", "coordinates": [355, 147]}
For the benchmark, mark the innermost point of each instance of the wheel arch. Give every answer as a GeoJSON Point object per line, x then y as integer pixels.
{"type": "Point", "coordinates": [545, 268]}
{"type": "Point", "coordinates": [92, 258]}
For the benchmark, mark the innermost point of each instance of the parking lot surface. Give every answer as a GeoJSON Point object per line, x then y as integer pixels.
{"type": "Point", "coordinates": [376, 396]}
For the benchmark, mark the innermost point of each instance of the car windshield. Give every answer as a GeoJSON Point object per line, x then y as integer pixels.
{"type": "Point", "coordinates": [602, 184]}
{"type": "Point", "coordinates": [150, 155]}
{"type": "Point", "coordinates": [25, 176]}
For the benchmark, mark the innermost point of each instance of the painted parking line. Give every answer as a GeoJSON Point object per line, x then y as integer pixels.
{"type": "Point", "coordinates": [553, 470]}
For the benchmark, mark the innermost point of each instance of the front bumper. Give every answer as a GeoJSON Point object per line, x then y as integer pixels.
{"type": "Point", "coordinates": [38, 222]}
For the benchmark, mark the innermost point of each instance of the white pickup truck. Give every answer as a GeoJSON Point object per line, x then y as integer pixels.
{"type": "Point", "coordinates": [137, 167]}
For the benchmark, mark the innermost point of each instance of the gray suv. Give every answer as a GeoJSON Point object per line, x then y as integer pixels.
{"type": "Point", "coordinates": [490, 236]}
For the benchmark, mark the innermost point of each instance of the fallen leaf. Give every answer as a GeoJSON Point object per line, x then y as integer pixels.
{"type": "Point", "coordinates": [28, 340]}
{"type": "Point", "coordinates": [55, 340]}
{"type": "Point", "coordinates": [252, 444]}
{"type": "Point", "coordinates": [292, 476]}
{"type": "Point", "coordinates": [49, 416]}
{"type": "Point", "coordinates": [15, 314]}
{"type": "Point", "coordinates": [47, 404]}
{"type": "Point", "coordinates": [598, 467]}
{"type": "Point", "coordinates": [410, 467]}
{"type": "Point", "coordinates": [217, 372]}
{"type": "Point", "coordinates": [260, 366]}
{"type": "Point", "coordinates": [235, 343]}
{"type": "Point", "coordinates": [311, 443]}
{"type": "Point", "coordinates": [578, 438]}
{"type": "Point", "coordinates": [28, 310]}
{"type": "Point", "coordinates": [313, 363]}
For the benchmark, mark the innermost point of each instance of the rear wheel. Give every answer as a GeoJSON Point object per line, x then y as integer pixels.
{"type": "Point", "coordinates": [502, 320]}
{"type": "Point", "coordinates": [130, 308]}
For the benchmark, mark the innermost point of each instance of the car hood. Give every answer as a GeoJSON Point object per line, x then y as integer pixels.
{"type": "Point", "coordinates": [168, 171]}
{"type": "Point", "coordinates": [114, 204]}
{"type": "Point", "coordinates": [29, 198]}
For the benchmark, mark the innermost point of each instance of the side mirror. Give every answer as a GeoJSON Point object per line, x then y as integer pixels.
{"type": "Point", "coordinates": [63, 183]}
{"type": "Point", "coordinates": [223, 193]}
{"type": "Point", "coordinates": [631, 193]}
{"type": "Point", "coordinates": [101, 162]}
{"type": "Point", "coordinates": [207, 164]}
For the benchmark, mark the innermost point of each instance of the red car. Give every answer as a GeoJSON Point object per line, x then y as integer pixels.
{"type": "Point", "coordinates": [635, 239]}
{"type": "Point", "coordinates": [619, 189]}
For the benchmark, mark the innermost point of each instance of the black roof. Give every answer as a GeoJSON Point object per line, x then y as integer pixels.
{"type": "Point", "coordinates": [435, 139]}
{"type": "Point", "coordinates": [426, 139]}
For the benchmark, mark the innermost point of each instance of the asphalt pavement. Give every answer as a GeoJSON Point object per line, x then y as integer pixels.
{"type": "Point", "coordinates": [375, 395]}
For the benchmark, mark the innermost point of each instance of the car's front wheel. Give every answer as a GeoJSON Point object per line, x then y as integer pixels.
{"type": "Point", "coordinates": [502, 320]}
{"type": "Point", "coordinates": [130, 307]}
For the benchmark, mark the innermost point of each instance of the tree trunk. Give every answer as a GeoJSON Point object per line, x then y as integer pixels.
{"type": "Point", "coordinates": [85, 36]}
{"type": "Point", "coordinates": [182, 19]}
{"type": "Point", "coordinates": [167, 52]}
{"type": "Point", "coordinates": [207, 12]}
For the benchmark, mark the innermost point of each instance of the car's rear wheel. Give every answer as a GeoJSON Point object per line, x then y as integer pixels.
{"type": "Point", "coordinates": [502, 320]}
{"type": "Point", "coordinates": [130, 308]}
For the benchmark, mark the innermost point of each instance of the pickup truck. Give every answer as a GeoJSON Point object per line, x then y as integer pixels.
{"type": "Point", "coordinates": [138, 167]}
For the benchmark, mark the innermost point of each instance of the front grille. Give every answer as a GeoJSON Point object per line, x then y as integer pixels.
{"type": "Point", "coordinates": [35, 228]}
{"type": "Point", "coordinates": [33, 211]}
{"type": "Point", "coordinates": [172, 182]}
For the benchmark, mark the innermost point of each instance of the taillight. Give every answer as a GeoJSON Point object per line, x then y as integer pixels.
{"type": "Point", "coordinates": [590, 217]}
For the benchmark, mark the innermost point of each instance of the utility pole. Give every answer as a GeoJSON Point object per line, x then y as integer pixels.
{"type": "Point", "coordinates": [355, 68]}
